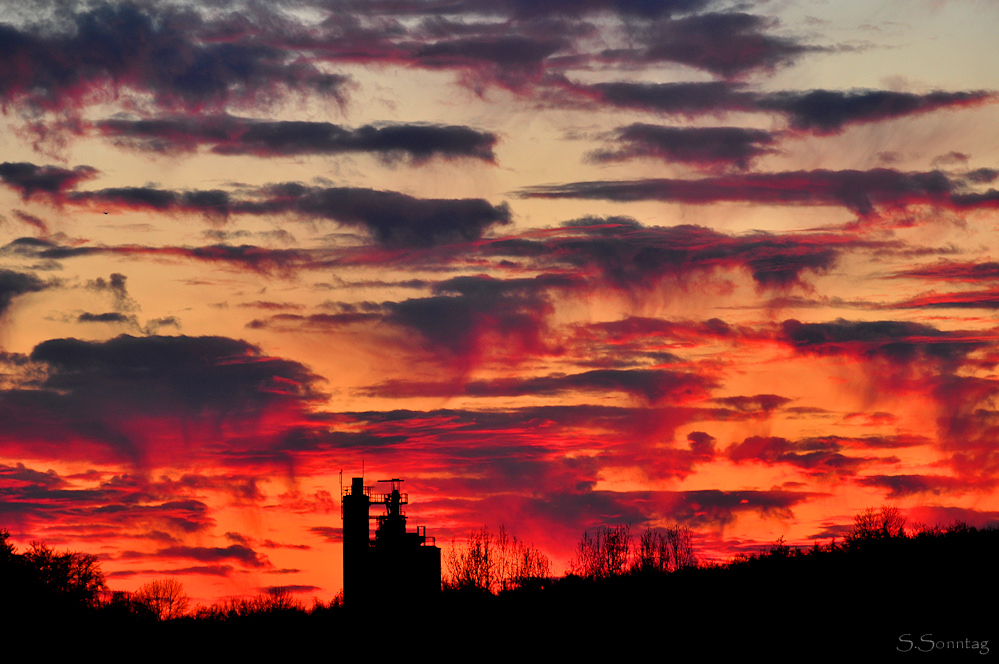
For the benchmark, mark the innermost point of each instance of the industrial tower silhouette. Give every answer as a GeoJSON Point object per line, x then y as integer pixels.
{"type": "Point", "coordinates": [395, 564]}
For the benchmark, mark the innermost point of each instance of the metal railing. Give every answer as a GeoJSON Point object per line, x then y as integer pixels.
{"type": "Point", "coordinates": [385, 498]}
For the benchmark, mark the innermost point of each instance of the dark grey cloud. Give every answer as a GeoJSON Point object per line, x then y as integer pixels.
{"type": "Point", "coordinates": [115, 285]}
{"type": "Point", "coordinates": [819, 111]}
{"type": "Point", "coordinates": [816, 456]}
{"type": "Point", "coordinates": [109, 317]}
{"type": "Point", "coordinates": [157, 374]}
{"type": "Point", "coordinates": [328, 533]}
{"type": "Point", "coordinates": [652, 385]}
{"type": "Point", "coordinates": [954, 271]}
{"type": "Point", "coordinates": [900, 342]}
{"type": "Point", "coordinates": [394, 219]}
{"type": "Point", "coordinates": [13, 284]}
{"type": "Point", "coordinates": [762, 404]}
{"type": "Point", "coordinates": [29, 179]}
{"type": "Point", "coordinates": [630, 256]}
{"type": "Point", "coordinates": [262, 260]}
{"type": "Point", "coordinates": [714, 508]}
{"type": "Point", "coordinates": [226, 134]}
{"type": "Point", "coordinates": [830, 111]}
{"type": "Point", "coordinates": [710, 147]}
{"type": "Point", "coordinates": [988, 200]}
{"type": "Point", "coordinates": [519, 9]}
{"type": "Point", "coordinates": [314, 321]}
{"type": "Point", "coordinates": [193, 58]}
{"type": "Point", "coordinates": [629, 8]}
{"type": "Point", "coordinates": [975, 299]}
{"type": "Point", "coordinates": [863, 192]}
{"type": "Point", "coordinates": [904, 486]}
{"type": "Point", "coordinates": [178, 56]}
{"type": "Point", "coordinates": [465, 311]}
{"type": "Point", "coordinates": [709, 508]}
{"type": "Point", "coordinates": [511, 60]}
{"type": "Point", "coordinates": [242, 555]}
{"type": "Point", "coordinates": [727, 44]}
{"type": "Point", "coordinates": [135, 398]}
{"type": "Point", "coordinates": [683, 98]}
{"type": "Point", "coordinates": [214, 204]}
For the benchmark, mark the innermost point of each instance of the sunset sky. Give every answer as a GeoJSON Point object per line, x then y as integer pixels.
{"type": "Point", "coordinates": [559, 264]}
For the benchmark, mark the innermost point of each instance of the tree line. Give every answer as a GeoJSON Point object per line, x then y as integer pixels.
{"type": "Point", "coordinates": [491, 563]}
{"type": "Point", "coordinates": [60, 582]}
{"type": "Point", "coordinates": [71, 585]}
{"type": "Point", "coordinates": [494, 563]}
{"type": "Point", "coordinates": [611, 552]}
{"type": "Point", "coordinates": [65, 583]}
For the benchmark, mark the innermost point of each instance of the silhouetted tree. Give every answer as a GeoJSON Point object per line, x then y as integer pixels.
{"type": "Point", "coordinates": [519, 565]}
{"type": "Point", "coordinates": [781, 549]}
{"type": "Point", "coordinates": [472, 566]}
{"type": "Point", "coordinates": [164, 597]}
{"type": "Point", "coordinates": [6, 548]}
{"type": "Point", "coordinates": [878, 523]}
{"type": "Point", "coordinates": [607, 553]}
{"type": "Point", "coordinates": [75, 577]}
{"type": "Point", "coordinates": [492, 564]}
{"type": "Point", "coordinates": [278, 600]}
{"type": "Point", "coordinates": [665, 550]}
{"type": "Point", "coordinates": [10, 574]}
{"type": "Point", "coordinates": [533, 567]}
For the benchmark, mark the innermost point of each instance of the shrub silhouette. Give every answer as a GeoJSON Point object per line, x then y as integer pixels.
{"type": "Point", "coordinates": [276, 601]}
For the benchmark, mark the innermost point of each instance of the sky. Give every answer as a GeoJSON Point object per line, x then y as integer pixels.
{"type": "Point", "coordinates": [559, 265]}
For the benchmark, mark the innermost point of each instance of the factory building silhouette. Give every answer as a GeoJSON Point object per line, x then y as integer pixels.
{"type": "Point", "coordinates": [395, 564]}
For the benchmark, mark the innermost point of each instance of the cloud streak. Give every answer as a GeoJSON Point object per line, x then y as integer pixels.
{"type": "Point", "coordinates": [392, 218]}
{"type": "Point", "coordinates": [14, 284]}
{"type": "Point", "coordinates": [865, 193]}
{"type": "Point", "coordinates": [818, 112]}
{"type": "Point", "coordinates": [705, 147]}
{"type": "Point", "coordinates": [232, 135]}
